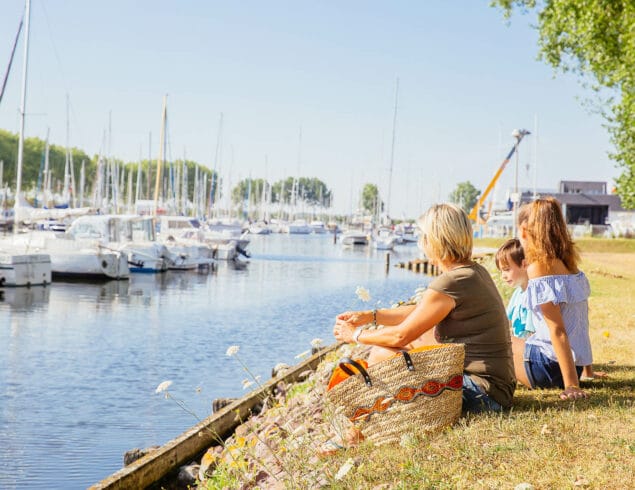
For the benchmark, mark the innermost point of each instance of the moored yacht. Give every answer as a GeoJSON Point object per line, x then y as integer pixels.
{"type": "Point", "coordinates": [83, 258]}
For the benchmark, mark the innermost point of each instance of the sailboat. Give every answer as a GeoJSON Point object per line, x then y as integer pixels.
{"type": "Point", "coordinates": [23, 269]}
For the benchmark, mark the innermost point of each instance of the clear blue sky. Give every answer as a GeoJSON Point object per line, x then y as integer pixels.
{"type": "Point", "coordinates": [466, 80]}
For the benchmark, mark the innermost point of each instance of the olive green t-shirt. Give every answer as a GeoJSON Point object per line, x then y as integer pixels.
{"type": "Point", "coordinates": [479, 321]}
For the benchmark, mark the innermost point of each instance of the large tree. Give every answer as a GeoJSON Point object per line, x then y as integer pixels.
{"type": "Point", "coordinates": [311, 191]}
{"type": "Point", "coordinates": [595, 39]}
{"type": "Point", "coordinates": [371, 202]}
{"type": "Point", "coordinates": [465, 195]}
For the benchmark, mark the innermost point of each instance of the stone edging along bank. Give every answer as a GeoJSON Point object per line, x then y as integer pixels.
{"type": "Point", "coordinates": [159, 463]}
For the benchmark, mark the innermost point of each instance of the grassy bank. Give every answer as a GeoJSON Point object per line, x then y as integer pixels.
{"type": "Point", "coordinates": [542, 441]}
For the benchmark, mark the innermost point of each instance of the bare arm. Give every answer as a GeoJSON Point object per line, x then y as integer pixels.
{"type": "Point", "coordinates": [562, 348]}
{"type": "Point", "coordinates": [388, 316]}
{"type": "Point", "coordinates": [431, 309]}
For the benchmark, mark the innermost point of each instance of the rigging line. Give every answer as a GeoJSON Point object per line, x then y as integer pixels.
{"type": "Point", "coordinates": [15, 45]}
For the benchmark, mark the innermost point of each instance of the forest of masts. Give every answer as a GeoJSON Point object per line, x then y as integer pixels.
{"type": "Point", "coordinates": [184, 188]}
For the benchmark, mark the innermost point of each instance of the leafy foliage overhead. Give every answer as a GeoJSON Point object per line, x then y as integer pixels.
{"type": "Point", "coordinates": [594, 39]}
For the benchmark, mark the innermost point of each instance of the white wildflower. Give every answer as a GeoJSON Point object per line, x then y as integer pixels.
{"type": "Point", "coordinates": [247, 383]}
{"type": "Point", "coordinates": [281, 366]}
{"type": "Point", "coordinates": [163, 386]}
{"type": "Point", "coordinates": [304, 354]}
{"type": "Point", "coordinates": [409, 440]}
{"type": "Point", "coordinates": [362, 293]}
{"type": "Point", "coordinates": [345, 468]}
{"type": "Point", "coordinates": [524, 486]}
{"type": "Point", "coordinates": [232, 350]}
{"type": "Point", "coordinates": [317, 342]}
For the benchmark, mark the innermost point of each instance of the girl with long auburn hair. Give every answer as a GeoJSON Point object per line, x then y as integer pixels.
{"type": "Point", "coordinates": [557, 295]}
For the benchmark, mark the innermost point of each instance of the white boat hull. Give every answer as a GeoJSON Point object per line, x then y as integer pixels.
{"type": "Point", "coordinates": [74, 258]}
{"type": "Point", "coordinates": [25, 269]}
{"type": "Point", "coordinates": [351, 239]}
{"type": "Point", "coordinates": [384, 244]}
{"type": "Point", "coordinates": [88, 265]}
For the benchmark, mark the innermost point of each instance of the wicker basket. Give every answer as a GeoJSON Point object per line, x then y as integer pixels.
{"type": "Point", "coordinates": [411, 393]}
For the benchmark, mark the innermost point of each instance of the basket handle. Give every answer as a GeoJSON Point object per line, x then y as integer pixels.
{"type": "Point", "coordinates": [408, 360]}
{"type": "Point", "coordinates": [345, 361]}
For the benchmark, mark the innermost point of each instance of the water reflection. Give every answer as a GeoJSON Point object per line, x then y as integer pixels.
{"type": "Point", "coordinates": [24, 299]}
{"type": "Point", "coordinates": [99, 294]}
{"type": "Point", "coordinates": [80, 361]}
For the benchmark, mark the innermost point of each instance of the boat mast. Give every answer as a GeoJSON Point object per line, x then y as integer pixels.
{"type": "Point", "coordinates": [18, 184]}
{"type": "Point", "coordinates": [82, 182]}
{"type": "Point", "coordinates": [137, 195]}
{"type": "Point", "coordinates": [66, 191]}
{"type": "Point", "coordinates": [214, 180]}
{"type": "Point", "coordinates": [46, 186]}
{"type": "Point", "coordinates": [392, 149]}
{"type": "Point", "coordinates": [160, 158]}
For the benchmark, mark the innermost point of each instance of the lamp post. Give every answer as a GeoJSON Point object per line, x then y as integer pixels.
{"type": "Point", "coordinates": [518, 134]}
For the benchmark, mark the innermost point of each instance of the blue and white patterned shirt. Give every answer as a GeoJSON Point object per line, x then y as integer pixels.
{"type": "Point", "coordinates": [519, 315]}
{"type": "Point", "coordinates": [571, 292]}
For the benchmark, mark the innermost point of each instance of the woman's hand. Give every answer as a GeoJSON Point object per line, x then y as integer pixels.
{"type": "Point", "coordinates": [573, 393]}
{"type": "Point", "coordinates": [355, 318]}
{"type": "Point", "coordinates": [343, 331]}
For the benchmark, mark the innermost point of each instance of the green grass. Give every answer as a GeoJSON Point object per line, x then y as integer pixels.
{"type": "Point", "coordinates": [543, 441]}
{"type": "Point", "coordinates": [586, 245]}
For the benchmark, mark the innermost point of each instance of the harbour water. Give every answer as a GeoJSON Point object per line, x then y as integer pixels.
{"type": "Point", "coordinates": [79, 363]}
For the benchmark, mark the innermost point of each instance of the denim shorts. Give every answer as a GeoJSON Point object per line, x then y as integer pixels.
{"type": "Point", "coordinates": [543, 372]}
{"type": "Point", "coordinates": [475, 400]}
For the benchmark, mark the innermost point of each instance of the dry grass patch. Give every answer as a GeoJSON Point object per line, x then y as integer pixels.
{"type": "Point", "coordinates": [542, 441]}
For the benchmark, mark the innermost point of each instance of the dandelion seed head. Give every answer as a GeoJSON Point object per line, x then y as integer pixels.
{"type": "Point", "coordinates": [317, 342]}
{"type": "Point", "coordinates": [232, 350]}
{"type": "Point", "coordinates": [163, 386]}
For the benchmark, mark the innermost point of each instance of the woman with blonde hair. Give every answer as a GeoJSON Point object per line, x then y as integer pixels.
{"type": "Point", "coordinates": [462, 305]}
{"type": "Point", "coordinates": [557, 295]}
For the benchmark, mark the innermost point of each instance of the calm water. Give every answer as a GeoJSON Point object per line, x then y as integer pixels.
{"type": "Point", "coordinates": [79, 363]}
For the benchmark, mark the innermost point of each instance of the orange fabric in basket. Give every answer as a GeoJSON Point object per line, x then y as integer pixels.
{"type": "Point", "coordinates": [339, 375]}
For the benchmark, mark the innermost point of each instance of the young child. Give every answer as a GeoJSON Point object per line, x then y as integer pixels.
{"type": "Point", "coordinates": [510, 260]}
{"type": "Point", "coordinates": [557, 295]}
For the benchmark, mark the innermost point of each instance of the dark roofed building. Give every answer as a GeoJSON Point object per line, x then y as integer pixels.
{"type": "Point", "coordinates": [584, 202]}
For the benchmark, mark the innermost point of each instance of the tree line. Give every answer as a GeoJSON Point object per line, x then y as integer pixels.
{"type": "Point", "coordinates": [303, 190]}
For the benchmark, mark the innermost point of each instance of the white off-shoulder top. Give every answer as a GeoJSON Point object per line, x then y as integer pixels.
{"type": "Point", "coordinates": [571, 292]}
